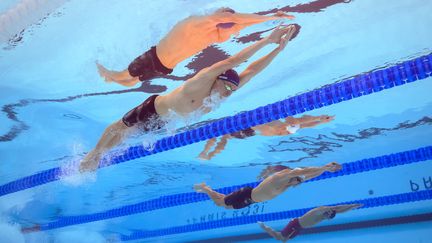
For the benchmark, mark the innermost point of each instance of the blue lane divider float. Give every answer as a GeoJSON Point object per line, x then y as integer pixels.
{"type": "Point", "coordinates": [368, 203]}
{"type": "Point", "coordinates": [359, 166]}
{"type": "Point", "coordinates": [364, 84]}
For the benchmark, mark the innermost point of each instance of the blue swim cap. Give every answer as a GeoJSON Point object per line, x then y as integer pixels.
{"type": "Point", "coordinates": [231, 76]}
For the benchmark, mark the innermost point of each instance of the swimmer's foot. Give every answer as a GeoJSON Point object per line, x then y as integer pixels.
{"type": "Point", "coordinates": [122, 78]}
{"type": "Point", "coordinates": [203, 156]}
{"type": "Point", "coordinates": [104, 73]}
{"type": "Point", "coordinates": [90, 162]}
{"type": "Point", "coordinates": [262, 225]}
{"type": "Point", "coordinates": [271, 232]}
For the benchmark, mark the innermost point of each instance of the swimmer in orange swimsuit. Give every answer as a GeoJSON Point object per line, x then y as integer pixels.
{"type": "Point", "coordinates": [186, 38]}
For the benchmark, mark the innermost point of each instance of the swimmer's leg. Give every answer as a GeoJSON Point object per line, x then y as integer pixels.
{"type": "Point", "coordinates": [218, 198]}
{"type": "Point", "coordinates": [219, 147]}
{"type": "Point", "coordinates": [273, 233]}
{"type": "Point", "coordinates": [112, 136]}
{"type": "Point", "coordinates": [203, 155]}
{"type": "Point", "coordinates": [122, 78]}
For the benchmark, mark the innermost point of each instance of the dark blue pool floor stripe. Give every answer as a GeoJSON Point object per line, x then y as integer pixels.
{"type": "Point", "coordinates": [416, 218]}
{"type": "Point", "coordinates": [368, 203]}
{"type": "Point", "coordinates": [350, 168]}
{"type": "Point", "coordinates": [363, 84]}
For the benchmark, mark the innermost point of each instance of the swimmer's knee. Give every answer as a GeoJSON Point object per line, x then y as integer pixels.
{"type": "Point", "coordinates": [117, 128]}
{"type": "Point", "coordinates": [221, 203]}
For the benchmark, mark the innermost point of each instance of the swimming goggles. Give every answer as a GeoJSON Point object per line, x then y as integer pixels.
{"type": "Point", "coordinates": [229, 88]}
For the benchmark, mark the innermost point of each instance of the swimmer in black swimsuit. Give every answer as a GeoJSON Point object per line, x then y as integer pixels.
{"type": "Point", "coordinates": [276, 128]}
{"type": "Point", "coordinates": [268, 189]}
{"type": "Point", "coordinates": [185, 39]}
{"type": "Point", "coordinates": [218, 80]}
{"type": "Point", "coordinates": [309, 219]}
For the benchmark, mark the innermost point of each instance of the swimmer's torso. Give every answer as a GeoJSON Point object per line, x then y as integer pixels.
{"type": "Point", "coordinates": [181, 103]}
{"type": "Point", "coordinates": [311, 218]}
{"type": "Point", "coordinates": [189, 37]}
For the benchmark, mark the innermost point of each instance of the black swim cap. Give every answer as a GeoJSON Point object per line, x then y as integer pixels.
{"type": "Point", "coordinates": [231, 76]}
{"type": "Point", "coordinates": [227, 10]}
{"type": "Point", "coordinates": [333, 214]}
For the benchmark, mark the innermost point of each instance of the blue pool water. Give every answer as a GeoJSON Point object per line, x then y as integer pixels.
{"type": "Point", "coordinates": [55, 107]}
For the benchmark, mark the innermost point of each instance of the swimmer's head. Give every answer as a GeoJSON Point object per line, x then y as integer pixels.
{"type": "Point", "coordinates": [230, 76]}
{"type": "Point", "coordinates": [225, 10]}
{"type": "Point", "coordinates": [329, 214]}
{"type": "Point", "coordinates": [227, 82]}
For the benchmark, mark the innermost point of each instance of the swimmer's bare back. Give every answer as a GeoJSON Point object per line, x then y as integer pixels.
{"type": "Point", "coordinates": [195, 33]}
{"type": "Point", "coordinates": [189, 37]}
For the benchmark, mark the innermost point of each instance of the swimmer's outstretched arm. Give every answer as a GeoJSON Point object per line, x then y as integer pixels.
{"type": "Point", "coordinates": [342, 208]}
{"type": "Point", "coordinates": [312, 172]}
{"type": "Point", "coordinates": [308, 121]}
{"type": "Point", "coordinates": [281, 36]}
{"type": "Point", "coordinates": [249, 19]}
{"type": "Point", "coordinates": [345, 207]}
{"type": "Point", "coordinates": [297, 121]}
{"type": "Point", "coordinates": [205, 78]}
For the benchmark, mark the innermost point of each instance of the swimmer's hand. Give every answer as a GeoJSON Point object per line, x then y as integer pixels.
{"type": "Point", "coordinates": [357, 205]}
{"type": "Point", "coordinates": [282, 35]}
{"type": "Point", "coordinates": [282, 14]}
{"type": "Point", "coordinates": [277, 34]}
{"type": "Point", "coordinates": [199, 187]}
{"type": "Point", "coordinates": [333, 167]}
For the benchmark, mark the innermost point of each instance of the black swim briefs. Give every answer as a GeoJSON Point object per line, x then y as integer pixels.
{"type": "Point", "coordinates": [144, 114]}
{"type": "Point", "coordinates": [249, 132]}
{"type": "Point", "coordinates": [148, 66]}
{"type": "Point", "coordinates": [239, 199]}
